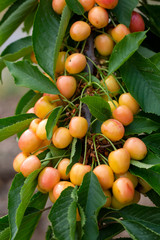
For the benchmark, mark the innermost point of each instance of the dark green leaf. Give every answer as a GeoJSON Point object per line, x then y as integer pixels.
{"type": "Point", "coordinates": [110, 231]}
{"type": "Point", "coordinates": [57, 152]}
{"type": "Point", "coordinates": [5, 234]}
{"type": "Point", "coordinates": [28, 22]}
{"type": "Point", "coordinates": [125, 49]}
{"type": "Point", "coordinates": [52, 121]}
{"type": "Point", "coordinates": [154, 197]}
{"type": "Point", "coordinates": [12, 125]}
{"type": "Point", "coordinates": [145, 52]}
{"type": "Point", "coordinates": [156, 60]}
{"type": "Point", "coordinates": [49, 234]}
{"type": "Point", "coordinates": [15, 19]}
{"type": "Point", "coordinates": [142, 79]}
{"type": "Point", "coordinates": [152, 142]}
{"type": "Point", "coordinates": [4, 223]}
{"type": "Point", "coordinates": [142, 125]}
{"type": "Point", "coordinates": [75, 6]}
{"type": "Point", "coordinates": [124, 10]}
{"type": "Point", "coordinates": [5, 3]}
{"type": "Point", "coordinates": [27, 101]}
{"type": "Point", "coordinates": [59, 215]}
{"type": "Point", "coordinates": [98, 107]}
{"type": "Point", "coordinates": [91, 205]}
{"type": "Point", "coordinates": [27, 75]}
{"type": "Point", "coordinates": [75, 153]}
{"type": "Point", "coordinates": [96, 127]}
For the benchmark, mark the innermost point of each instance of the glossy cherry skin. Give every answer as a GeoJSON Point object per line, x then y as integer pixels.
{"type": "Point", "coordinates": [112, 129]}
{"type": "Point", "coordinates": [130, 176]}
{"type": "Point", "coordinates": [62, 167]}
{"type": "Point", "coordinates": [66, 85]}
{"type": "Point", "coordinates": [137, 23]}
{"type": "Point", "coordinates": [61, 138]}
{"type": "Point", "coordinates": [123, 190]}
{"type": "Point", "coordinates": [105, 176]}
{"type": "Point", "coordinates": [112, 85]}
{"type": "Point", "coordinates": [59, 187]}
{"type": "Point", "coordinates": [104, 44]}
{"type": "Point", "coordinates": [119, 32]}
{"type": "Point", "coordinates": [136, 148]}
{"type": "Point", "coordinates": [75, 63]}
{"type": "Point", "coordinates": [109, 4]}
{"type": "Point", "coordinates": [44, 106]}
{"type": "Point", "coordinates": [18, 160]}
{"type": "Point", "coordinates": [80, 31]}
{"type": "Point", "coordinates": [113, 105]}
{"type": "Point", "coordinates": [77, 173]}
{"type": "Point", "coordinates": [29, 165]}
{"type": "Point", "coordinates": [78, 127]}
{"type": "Point", "coordinates": [58, 6]}
{"type": "Point", "coordinates": [60, 65]}
{"type": "Point", "coordinates": [130, 102]}
{"type": "Point", "coordinates": [34, 124]}
{"type": "Point", "coordinates": [87, 5]}
{"type": "Point", "coordinates": [98, 17]}
{"type": "Point", "coordinates": [123, 114]}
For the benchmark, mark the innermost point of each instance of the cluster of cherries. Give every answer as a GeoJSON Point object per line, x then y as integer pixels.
{"type": "Point", "coordinates": [113, 174]}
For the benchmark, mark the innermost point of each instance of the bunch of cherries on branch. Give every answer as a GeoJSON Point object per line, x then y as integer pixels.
{"type": "Point", "coordinates": [108, 153]}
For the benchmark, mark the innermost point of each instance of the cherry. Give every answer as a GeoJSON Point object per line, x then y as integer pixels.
{"type": "Point", "coordinates": [61, 138]}
{"type": "Point", "coordinates": [129, 101]}
{"type": "Point", "coordinates": [119, 160]}
{"type": "Point", "coordinates": [112, 85]}
{"type": "Point", "coordinates": [123, 114]}
{"type": "Point", "coordinates": [123, 190]}
{"type": "Point", "coordinates": [136, 148]}
{"type": "Point", "coordinates": [41, 129]}
{"type": "Point", "coordinates": [109, 4]}
{"type": "Point", "coordinates": [29, 141]}
{"type": "Point", "coordinates": [105, 176]}
{"type": "Point", "coordinates": [77, 173]}
{"type": "Point", "coordinates": [18, 160]}
{"type": "Point", "coordinates": [62, 167]}
{"type": "Point", "coordinates": [44, 106]}
{"type": "Point", "coordinates": [29, 165]}
{"type": "Point", "coordinates": [78, 127]}
{"type": "Point", "coordinates": [137, 23]}
{"type": "Point", "coordinates": [98, 17]}
{"type": "Point", "coordinates": [34, 124]}
{"type": "Point", "coordinates": [58, 5]}
{"type": "Point", "coordinates": [112, 129]}
{"type": "Point", "coordinates": [75, 63]}
{"type": "Point", "coordinates": [60, 65]}
{"type": "Point", "coordinates": [113, 105]}
{"type": "Point", "coordinates": [80, 31]}
{"type": "Point", "coordinates": [66, 85]}
{"type": "Point", "coordinates": [48, 178]}
{"type": "Point", "coordinates": [119, 32]}
{"type": "Point", "coordinates": [59, 187]}
{"type": "Point", "coordinates": [87, 5]}
{"type": "Point", "coordinates": [130, 176]}
{"type": "Point", "coordinates": [104, 44]}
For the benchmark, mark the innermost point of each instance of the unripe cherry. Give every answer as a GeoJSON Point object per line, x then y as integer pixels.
{"type": "Point", "coordinates": [34, 124]}
{"type": "Point", "coordinates": [66, 85]}
{"type": "Point", "coordinates": [123, 190]}
{"type": "Point", "coordinates": [87, 5]}
{"type": "Point", "coordinates": [104, 44]}
{"type": "Point", "coordinates": [113, 105]}
{"type": "Point", "coordinates": [61, 138]}
{"type": "Point", "coordinates": [62, 167]}
{"type": "Point", "coordinates": [119, 32]}
{"type": "Point", "coordinates": [109, 4]}
{"type": "Point", "coordinates": [80, 31]}
{"type": "Point", "coordinates": [105, 176]}
{"type": "Point", "coordinates": [60, 65]}
{"type": "Point", "coordinates": [58, 5]}
{"type": "Point", "coordinates": [129, 101]}
{"type": "Point", "coordinates": [77, 173]}
{"type": "Point", "coordinates": [59, 187]}
{"type": "Point", "coordinates": [29, 165]}
{"type": "Point", "coordinates": [112, 85]}
{"type": "Point", "coordinates": [18, 160]}
{"type": "Point", "coordinates": [119, 160]}
{"type": "Point", "coordinates": [112, 129]}
{"type": "Point", "coordinates": [130, 176]}
{"type": "Point", "coordinates": [48, 178]}
{"type": "Point", "coordinates": [29, 141]}
{"type": "Point", "coordinates": [78, 127]}
{"type": "Point", "coordinates": [98, 17]}
{"type": "Point", "coordinates": [123, 114]}
{"type": "Point", "coordinates": [136, 148]}
{"type": "Point", "coordinates": [75, 63]}
{"type": "Point", "coordinates": [137, 23]}
{"type": "Point", "coordinates": [44, 106]}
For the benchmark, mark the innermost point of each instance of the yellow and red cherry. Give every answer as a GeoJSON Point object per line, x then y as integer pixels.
{"type": "Point", "coordinates": [61, 138]}
{"type": "Point", "coordinates": [112, 85]}
{"type": "Point", "coordinates": [41, 129]}
{"type": "Point", "coordinates": [58, 6]}
{"type": "Point", "coordinates": [119, 32]}
{"type": "Point", "coordinates": [113, 105]}
{"type": "Point", "coordinates": [59, 187]}
{"type": "Point", "coordinates": [104, 44]}
{"type": "Point", "coordinates": [87, 5]}
{"type": "Point", "coordinates": [60, 65]}
{"type": "Point", "coordinates": [77, 173]}
{"type": "Point", "coordinates": [130, 102]}
{"type": "Point", "coordinates": [105, 176]}
{"type": "Point", "coordinates": [34, 124]}
{"type": "Point", "coordinates": [98, 17]}
{"type": "Point", "coordinates": [123, 114]}
{"type": "Point", "coordinates": [18, 160]}
{"type": "Point", "coordinates": [44, 106]}
{"type": "Point", "coordinates": [130, 176]}
{"type": "Point", "coordinates": [112, 129]}
{"type": "Point", "coordinates": [66, 85]}
{"type": "Point", "coordinates": [80, 31]}
{"type": "Point", "coordinates": [75, 63]}
{"type": "Point", "coordinates": [29, 165]}
{"type": "Point", "coordinates": [136, 148]}
{"type": "Point", "coordinates": [62, 167]}
{"type": "Point", "coordinates": [107, 193]}
{"type": "Point", "coordinates": [109, 4]}
{"type": "Point", "coordinates": [78, 127]}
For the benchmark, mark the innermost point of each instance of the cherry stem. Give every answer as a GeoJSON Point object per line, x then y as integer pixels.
{"type": "Point", "coordinates": [40, 149]}
{"type": "Point", "coordinates": [104, 159]}
{"type": "Point", "coordinates": [108, 141]}
{"type": "Point", "coordinates": [119, 84]}
{"type": "Point", "coordinates": [112, 20]}
{"type": "Point", "coordinates": [85, 150]}
{"type": "Point", "coordinates": [92, 166]}
{"type": "Point", "coordinates": [94, 143]}
{"type": "Point", "coordinates": [52, 158]}
{"type": "Point", "coordinates": [83, 46]}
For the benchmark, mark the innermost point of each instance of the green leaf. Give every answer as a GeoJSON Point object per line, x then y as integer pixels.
{"type": "Point", "coordinates": [5, 3]}
{"type": "Point", "coordinates": [15, 19]}
{"type": "Point", "coordinates": [123, 11]}
{"type": "Point", "coordinates": [142, 125]}
{"type": "Point", "coordinates": [75, 153]}
{"type": "Point", "coordinates": [75, 6]}
{"type": "Point", "coordinates": [12, 125]}
{"type": "Point", "coordinates": [142, 79]}
{"type": "Point", "coordinates": [98, 107]}
{"type": "Point", "coordinates": [27, 75]}
{"type": "Point", "coordinates": [110, 231]}
{"type": "Point", "coordinates": [60, 217]}
{"type": "Point", "coordinates": [145, 52]}
{"type": "Point", "coordinates": [154, 197]}
{"type": "Point", "coordinates": [48, 34]}
{"type": "Point", "coordinates": [124, 50]}
{"type": "Point", "coordinates": [152, 142]}
{"type": "Point", "coordinates": [4, 228]}
{"type": "Point", "coordinates": [49, 234]}
{"type": "Point", "coordinates": [27, 101]}
{"type": "Point", "coordinates": [91, 205]}
{"type": "Point", "coordinates": [57, 152]}
{"type": "Point", "coordinates": [52, 121]}
{"type": "Point", "coordinates": [96, 127]}
{"type": "Point", "coordinates": [28, 22]}
{"type": "Point", "coordinates": [156, 60]}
